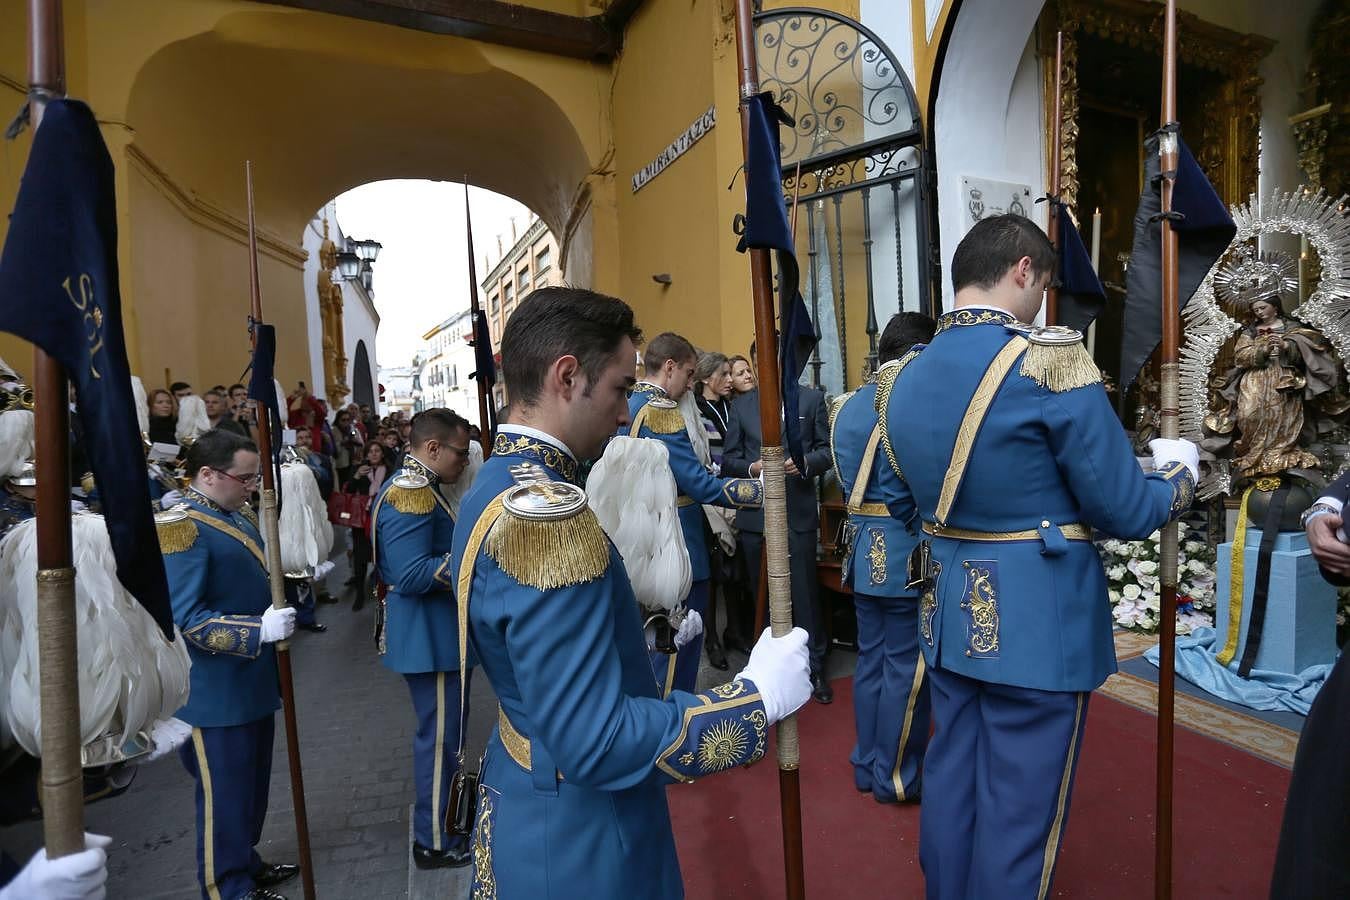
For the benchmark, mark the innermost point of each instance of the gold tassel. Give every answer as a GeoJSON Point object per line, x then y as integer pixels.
{"type": "Point", "coordinates": [661, 421]}
{"type": "Point", "coordinates": [415, 501]}
{"type": "Point", "coordinates": [1060, 367]}
{"type": "Point", "coordinates": [177, 536]}
{"type": "Point", "coordinates": [550, 553]}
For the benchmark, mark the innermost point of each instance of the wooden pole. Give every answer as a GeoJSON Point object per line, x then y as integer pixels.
{"type": "Point", "coordinates": [1052, 223]}
{"type": "Point", "coordinates": [484, 412]}
{"type": "Point", "coordinates": [775, 497]}
{"type": "Point", "coordinates": [1169, 428]}
{"type": "Point", "coordinates": [276, 578]}
{"type": "Point", "coordinates": [62, 780]}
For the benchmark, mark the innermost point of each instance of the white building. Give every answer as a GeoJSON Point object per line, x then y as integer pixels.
{"type": "Point", "coordinates": [398, 384]}
{"type": "Point", "coordinates": [445, 363]}
{"type": "Point", "coordinates": [342, 322]}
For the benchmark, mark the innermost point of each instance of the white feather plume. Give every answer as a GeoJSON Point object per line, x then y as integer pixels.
{"type": "Point", "coordinates": [129, 676]}
{"type": "Point", "coordinates": [303, 526]}
{"type": "Point", "coordinates": [16, 441]}
{"type": "Point", "coordinates": [634, 496]}
{"type": "Point", "coordinates": [693, 424]}
{"type": "Point", "coordinates": [142, 404]}
{"type": "Point", "coordinates": [193, 422]}
{"type": "Point", "coordinates": [454, 493]}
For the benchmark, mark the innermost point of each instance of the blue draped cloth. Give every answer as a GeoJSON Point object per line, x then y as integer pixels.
{"type": "Point", "coordinates": [1267, 690]}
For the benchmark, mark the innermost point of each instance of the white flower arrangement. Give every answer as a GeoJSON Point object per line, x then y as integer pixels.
{"type": "Point", "coordinates": [1135, 589]}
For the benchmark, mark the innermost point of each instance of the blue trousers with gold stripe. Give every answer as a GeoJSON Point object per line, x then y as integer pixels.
{"type": "Point", "coordinates": [996, 787]}
{"type": "Point", "coordinates": [679, 671]}
{"type": "Point", "coordinates": [435, 697]}
{"type": "Point", "coordinates": [232, 766]}
{"type": "Point", "coordinates": [890, 698]}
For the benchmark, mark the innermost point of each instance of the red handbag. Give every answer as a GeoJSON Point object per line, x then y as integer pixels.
{"type": "Point", "coordinates": [349, 510]}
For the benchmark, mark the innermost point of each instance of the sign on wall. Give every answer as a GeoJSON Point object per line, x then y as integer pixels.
{"type": "Point", "coordinates": [983, 197]}
{"type": "Point", "coordinates": [677, 148]}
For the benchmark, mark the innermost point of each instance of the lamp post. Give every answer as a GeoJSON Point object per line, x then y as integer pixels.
{"type": "Point", "coordinates": [348, 264]}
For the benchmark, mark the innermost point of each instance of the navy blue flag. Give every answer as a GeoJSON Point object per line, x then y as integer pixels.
{"type": "Point", "coordinates": [262, 388]}
{"type": "Point", "coordinates": [1204, 231]}
{"type": "Point", "coordinates": [766, 227]}
{"type": "Point", "coordinates": [59, 290]}
{"type": "Point", "coordinates": [485, 366]}
{"type": "Point", "coordinates": [1081, 295]}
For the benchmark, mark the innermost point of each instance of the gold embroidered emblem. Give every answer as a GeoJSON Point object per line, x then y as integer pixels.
{"type": "Point", "coordinates": [982, 604]}
{"type": "Point", "coordinates": [484, 880]}
{"type": "Point", "coordinates": [221, 639]}
{"type": "Point", "coordinates": [686, 759]}
{"type": "Point", "coordinates": [722, 746]}
{"type": "Point", "coordinates": [729, 690]}
{"type": "Point", "coordinates": [760, 723]}
{"type": "Point", "coordinates": [876, 555]}
{"type": "Point", "coordinates": [521, 445]}
{"type": "Point", "coordinates": [1183, 488]}
{"type": "Point", "coordinates": [928, 606]}
{"type": "Point", "coordinates": [971, 317]}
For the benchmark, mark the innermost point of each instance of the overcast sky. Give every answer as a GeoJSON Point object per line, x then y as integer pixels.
{"type": "Point", "coordinates": [421, 276]}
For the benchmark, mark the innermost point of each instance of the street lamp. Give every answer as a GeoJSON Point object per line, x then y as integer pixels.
{"type": "Point", "coordinates": [367, 250]}
{"type": "Point", "coordinates": [348, 264]}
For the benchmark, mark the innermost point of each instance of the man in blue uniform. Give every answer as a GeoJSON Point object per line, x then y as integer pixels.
{"type": "Point", "coordinates": [890, 686]}
{"type": "Point", "coordinates": [213, 556]}
{"type": "Point", "coordinates": [669, 361]}
{"type": "Point", "coordinates": [740, 456]}
{"type": "Point", "coordinates": [1014, 455]}
{"type": "Point", "coordinates": [572, 801]}
{"type": "Point", "coordinates": [413, 527]}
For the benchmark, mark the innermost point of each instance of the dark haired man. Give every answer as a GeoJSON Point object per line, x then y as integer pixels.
{"type": "Point", "coordinates": [213, 556]}
{"type": "Point", "coordinates": [669, 361]}
{"type": "Point", "coordinates": [572, 800]}
{"type": "Point", "coordinates": [413, 524]}
{"type": "Point", "coordinates": [741, 456]}
{"type": "Point", "coordinates": [180, 389]}
{"type": "Point", "coordinates": [890, 690]}
{"type": "Point", "coordinates": [1007, 442]}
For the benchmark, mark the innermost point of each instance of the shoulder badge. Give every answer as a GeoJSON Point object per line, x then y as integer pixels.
{"type": "Point", "coordinates": [661, 416]}
{"type": "Point", "coordinates": [1056, 358]}
{"type": "Point", "coordinates": [410, 493]}
{"type": "Point", "coordinates": [549, 537]}
{"type": "Point", "coordinates": [177, 532]}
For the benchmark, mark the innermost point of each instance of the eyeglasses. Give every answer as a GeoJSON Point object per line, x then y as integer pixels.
{"type": "Point", "coordinates": [248, 481]}
{"type": "Point", "coordinates": [463, 452]}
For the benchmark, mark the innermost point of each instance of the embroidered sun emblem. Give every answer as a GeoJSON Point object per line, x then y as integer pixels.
{"type": "Point", "coordinates": [220, 639]}
{"type": "Point", "coordinates": [722, 746]}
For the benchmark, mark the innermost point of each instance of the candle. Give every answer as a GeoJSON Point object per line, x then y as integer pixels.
{"type": "Point", "coordinates": [1096, 267]}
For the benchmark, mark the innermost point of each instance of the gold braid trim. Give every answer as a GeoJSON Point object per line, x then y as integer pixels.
{"type": "Point", "coordinates": [550, 553]}
{"type": "Point", "coordinates": [886, 377]}
{"type": "Point", "coordinates": [414, 501]}
{"type": "Point", "coordinates": [837, 404]}
{"type": "Point", "coordinates": [1060, 367]}
{"type": "Point", "coordinates": [658, 421]}
{"type": "Point", "coordinates": [247, 512]}
{"type": "Point", "coordinates": [175, 537]}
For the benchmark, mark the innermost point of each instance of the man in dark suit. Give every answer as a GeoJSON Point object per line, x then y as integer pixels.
{"type": "Point", "coordinates": [741, 457]}
{"type": "Point", "coordinates": [1311, 859]}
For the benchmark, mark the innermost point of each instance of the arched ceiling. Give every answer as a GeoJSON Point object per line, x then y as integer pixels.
{"type": "Point", "coordinates": [322, 104]}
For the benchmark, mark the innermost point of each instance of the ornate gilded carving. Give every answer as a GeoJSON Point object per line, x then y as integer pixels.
{"type": "Point", "coordinates": [330, 319]}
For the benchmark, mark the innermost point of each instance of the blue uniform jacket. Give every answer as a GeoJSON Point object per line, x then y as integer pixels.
{"type": "Point", "coordinates": [884, 532]}
{"type": "Point", "coordinates": [568, 663]}
{"type": "Point", "coordinates": [1029, 612]}
{"type": "Point", "coordinates": [696, 484]}
{"type": "Point", "coordinates": [413, 530]}
{"type": "Point", "coordinates": [219, 589]}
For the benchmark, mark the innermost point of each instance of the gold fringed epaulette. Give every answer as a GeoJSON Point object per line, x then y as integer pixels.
{"type": "Point", "coordinates": [176, 531]}
{"type": "Point", "coordinates": [662, 416]}
{"type": "Point", "coordinates": [1058, 361]}
{"type": "Point", "coordinates": [411, 494]}
{"type": "Point", "coordinates": [547, 537]}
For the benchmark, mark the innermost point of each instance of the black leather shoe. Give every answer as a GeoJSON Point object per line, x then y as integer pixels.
{"type": "Point", "coordinates": [821, 691]}
{"type": "Point", "coordinates": [326, 597]}
{"type": "Point", "coordinates": [280, 873]}
{"type": "Point", "coordinates": [263, 894]}
{"type": "Point", "coordinates": [316, 627]}
{"type": "Point", "coordinates": [717, 658]}
{"type": "Point", "coordinates": [450, 858]}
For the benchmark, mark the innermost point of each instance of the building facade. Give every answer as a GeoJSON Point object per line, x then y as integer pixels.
{"type": "Point", "coordinates": [444, 365]}
{"type": "Point", "coordinates": [531, 262]}
{"type": "Point", "coordinates": [341, 318]}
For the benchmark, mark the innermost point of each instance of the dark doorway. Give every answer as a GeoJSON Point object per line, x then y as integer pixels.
{"type": "Point", "coordinates": [363, 382]}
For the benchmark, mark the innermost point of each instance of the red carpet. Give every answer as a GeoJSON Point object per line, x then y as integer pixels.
{"type": "Point", "coordinates": [1227, 820]}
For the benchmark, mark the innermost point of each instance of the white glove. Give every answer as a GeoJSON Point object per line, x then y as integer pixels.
{"type": "Point", "coordinates": [1174, 450]}
{"type": "Point", "coordinates": [79, 876]}
{"type": "Point", "coordinates": [166, 736]}
{"type": "Point", "coordinates": [690, 628]}
{"type": "Point", "coordinates": [170, 499]}
{"type": "Point", "coordinates": [322, 569]}
{"type": "Point", "coordinates": [278, 624]}
{"type": "Point", "coordinates": [781, 670]}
